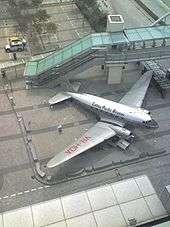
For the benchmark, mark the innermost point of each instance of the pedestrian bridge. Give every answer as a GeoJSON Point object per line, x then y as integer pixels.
{"type": "Point", "coordinates": [129, 45]}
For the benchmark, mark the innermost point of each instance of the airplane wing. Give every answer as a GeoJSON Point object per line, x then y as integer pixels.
{"type": "Point", "coordinates": [135, 96]}
{"type": "Point", "coordinates": [98, 133]}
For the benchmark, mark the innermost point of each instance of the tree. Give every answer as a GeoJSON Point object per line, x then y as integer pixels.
{"type": "Point", "coordinates": [12, 3]}
{"type": "Point", "coordinates": [39, 29]}
{"type": "Point", "coordinates": [89, 2]}
{"type": "Point", "coordinates": [24, 5]}
{"type": "Point", "coordinates": [39, 20]}
{"type": "Point", "coordinates": [51, 27]}
{"type": "Point", "coordinates": [41, 16]}
{"type": "Point", "coordinates": [23, 23]}
{"type": "Point", "coordinates": [36, 3]}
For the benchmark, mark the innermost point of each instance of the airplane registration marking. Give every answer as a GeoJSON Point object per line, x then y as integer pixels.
{"type": "Point", "coordinates": [75, 146]}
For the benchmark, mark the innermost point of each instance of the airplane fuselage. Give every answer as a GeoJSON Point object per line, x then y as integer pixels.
{"type": "Point", "coordinates": [116, 110]}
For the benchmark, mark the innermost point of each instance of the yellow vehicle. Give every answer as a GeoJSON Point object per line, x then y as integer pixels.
{"type": "Point", "coordinates": [16, 44]}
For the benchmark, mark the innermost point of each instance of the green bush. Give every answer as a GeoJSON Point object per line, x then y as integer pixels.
{"type": "Point", "coordinates": [94, 14]}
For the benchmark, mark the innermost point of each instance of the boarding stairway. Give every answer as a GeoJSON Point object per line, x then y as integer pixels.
{"type": "Point", "coordinates": [129, 45]}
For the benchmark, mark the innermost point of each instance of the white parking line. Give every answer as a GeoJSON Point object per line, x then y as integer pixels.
{"type": "Point", "coordinates": [24, 192]}
{"type": "Point", "coordinates": [33, 189]}
{"type": "Point", "coordinates": [72, 24]}
{"type": "Point", "coordinates": [47, 186]}
{"type": "Point", "coordinates": [5, 197]}
{"type": "Point", "coordinates": [39, 188]}
{"type": "Point", "coordinates": [19, 193]}
{"type": "Point", "coordinates": [13, 195]}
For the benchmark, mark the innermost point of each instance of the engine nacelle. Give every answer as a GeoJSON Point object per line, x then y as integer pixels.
{"type": "Point", "coordinates": [121, 131]}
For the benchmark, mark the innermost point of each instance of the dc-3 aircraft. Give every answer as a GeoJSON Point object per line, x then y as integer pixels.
{"type": "Point", "coordinates": [113, 117]}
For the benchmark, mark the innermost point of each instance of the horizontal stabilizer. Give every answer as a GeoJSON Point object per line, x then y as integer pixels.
{"type": "Point", "coordinates": [60, 97]}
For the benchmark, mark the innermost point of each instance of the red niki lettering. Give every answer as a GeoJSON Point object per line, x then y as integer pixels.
{"type": "Point", "coordinates": [75, 146]}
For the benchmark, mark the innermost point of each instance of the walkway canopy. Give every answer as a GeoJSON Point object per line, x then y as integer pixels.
{"type": "Point", "coordinates": [128, 37]}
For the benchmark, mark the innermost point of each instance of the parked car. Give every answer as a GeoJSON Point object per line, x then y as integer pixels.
{"type": "Point", "coordinates": [16, 44]}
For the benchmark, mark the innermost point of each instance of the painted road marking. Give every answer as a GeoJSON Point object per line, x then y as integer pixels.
{"type": "Point", "coordinates": [13, 195]}
{"type": "Point", "coordinates": [5, 197]}
{"type": "Point", "coordinates": [24, 192]}
{"type": "Point", "coordinates": [47, 186]}
{"type": "Point", "coordinates": [33, 189]}
{"type": "Point", "coordinates": [39, 188]}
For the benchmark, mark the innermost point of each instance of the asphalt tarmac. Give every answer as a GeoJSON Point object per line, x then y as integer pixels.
{"type": "Point", "coordinates": [18, 188]}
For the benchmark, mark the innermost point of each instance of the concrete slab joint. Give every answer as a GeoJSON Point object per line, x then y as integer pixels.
{"type": "Point", "coordinates": [114, 73]}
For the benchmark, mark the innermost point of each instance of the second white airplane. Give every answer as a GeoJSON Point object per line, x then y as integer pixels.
{"type": "Point", "coordinates": [113, 117]}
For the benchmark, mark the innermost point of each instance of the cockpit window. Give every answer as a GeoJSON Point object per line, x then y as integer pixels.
{"type": "Point", "coordinates": [147, 121]}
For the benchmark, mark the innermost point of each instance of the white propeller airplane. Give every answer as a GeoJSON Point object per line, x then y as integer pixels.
{"type": "Point", "coordinates": [113, 117]}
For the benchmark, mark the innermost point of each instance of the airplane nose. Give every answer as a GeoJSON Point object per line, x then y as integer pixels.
{"type": "Point", "coordinates": [153, 124]}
